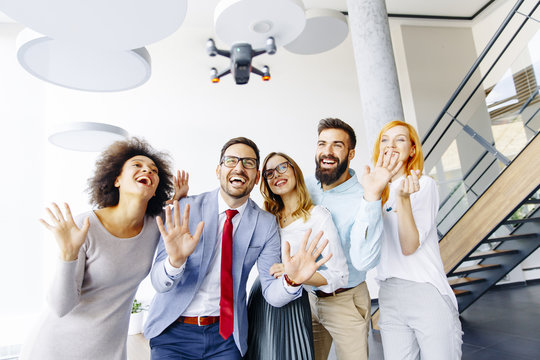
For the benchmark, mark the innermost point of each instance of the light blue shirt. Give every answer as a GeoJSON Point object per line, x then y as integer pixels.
{"type": "Point", "coordinates": [359, 223]}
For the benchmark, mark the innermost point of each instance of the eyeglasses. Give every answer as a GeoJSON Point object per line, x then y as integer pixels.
{"type": "Point", "coordinates": [281, 168]}
{"type": "Point", "coordinates": [231, 161]}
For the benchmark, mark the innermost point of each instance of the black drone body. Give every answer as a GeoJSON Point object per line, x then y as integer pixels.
{"type": "Point", "coordinates": [241, 55]}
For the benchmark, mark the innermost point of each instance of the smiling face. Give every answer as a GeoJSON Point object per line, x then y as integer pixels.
{"type": "Point", "coordinates": [280, 184]}
{"type": "Point", "coordinates": [139, 176]}
{"type": "Point", "coordinates": [333, 156]}
{"type": "Point", "coordinates": [236, 183]}
{"type": "Point", "coordinates": [397, 140]}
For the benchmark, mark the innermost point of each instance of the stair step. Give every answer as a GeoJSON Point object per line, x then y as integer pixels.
{"type": "Point", "coordinates": [462, 281]}
{"type": "Point", "coordinates": [532, 201]}
{"type": "Point", "coordinates": [474, 268]}
{"type": "Point", "coordinates": [490, 253]}
{"type": "Point", "coordinates": [458, 292]}
{"type": "Point", "coordinates": [512, 237]}
{"type": "Point", "coordinates": [521, 221]}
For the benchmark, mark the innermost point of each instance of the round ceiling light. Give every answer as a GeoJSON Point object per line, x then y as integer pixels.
{"type": "Point", "coordinates": [325, 29]}
{"type": "Point", "coordinates": [82, 68]}
{"type": "Point", "coordinates": [253, 21]}
{"type": "Point", "coordinates": [118, 24]}
{"type": "Point", "coordinates": [87, 136]}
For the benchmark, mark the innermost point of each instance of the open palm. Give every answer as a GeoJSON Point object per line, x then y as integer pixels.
{"type": "Point", "coordinates": [178, 241]}
{"type": "Point", "coordinates": [68, 235]}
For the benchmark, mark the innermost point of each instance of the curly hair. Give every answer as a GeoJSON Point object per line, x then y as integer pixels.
{"type": "Point", "coordinates": [274, 204]}
{"type": "Point", "coordinates": [109, 166]}
{"type": "Point", "coordinates": [415, 162]}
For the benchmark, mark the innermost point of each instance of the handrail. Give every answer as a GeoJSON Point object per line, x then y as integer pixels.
{"type": "Point", "coordinates": [474, 67]}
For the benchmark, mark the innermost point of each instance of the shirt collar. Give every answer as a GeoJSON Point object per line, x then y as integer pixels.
{"type": "Point", "coordinates": [222, 205]}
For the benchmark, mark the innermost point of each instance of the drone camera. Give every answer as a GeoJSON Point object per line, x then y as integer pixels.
{"type": "Point", "coordinates": [213, 75]}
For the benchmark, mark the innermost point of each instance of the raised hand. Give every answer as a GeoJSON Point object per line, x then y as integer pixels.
{"type": "Point", "coordinates": [277, 270]}
{"type": "Point", "coordinates": [181, 186]}
{"type": "Point", "coordinates": [178, 241]}
{"type": "Point", "coordinates": [301, 267]}
{"type": "Point", "coordinates": [67, 234]}
{"type": "Point", "coordinates": [374, 181]}
{"type": "Point", "coordinates": [410, 184]}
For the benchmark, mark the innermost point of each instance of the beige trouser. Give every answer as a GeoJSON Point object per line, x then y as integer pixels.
{"type": "Point", "coordinates": [344, 318]}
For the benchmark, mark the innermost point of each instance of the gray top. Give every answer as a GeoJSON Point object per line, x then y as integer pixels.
{"type": "Point", "coordinates": [90, 298]}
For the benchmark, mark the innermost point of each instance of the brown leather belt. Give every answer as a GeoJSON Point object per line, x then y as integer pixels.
{"type": "Point", "coordinates": [198, 320]}
{"type": "Point", "coordinates": [322, 294]}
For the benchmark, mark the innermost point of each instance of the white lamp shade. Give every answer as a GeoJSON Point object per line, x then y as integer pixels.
{"type": "Point", "coordinates": [325, 29]}
{"type": "Point", "coordinates": [82, 68]}
{"type": "Point", "coordinates": [86, 136]}
{"type": "Point", "coordinates": [254, 21]}
{"type": "Point", "coordinates": [117, 24]}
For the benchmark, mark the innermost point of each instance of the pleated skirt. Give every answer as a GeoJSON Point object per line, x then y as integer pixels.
{"type": "Point", "coordinates": [283, 333]}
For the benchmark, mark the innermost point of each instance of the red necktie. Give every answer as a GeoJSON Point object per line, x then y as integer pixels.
{"type": "Point", "coordinates": [226, 302]}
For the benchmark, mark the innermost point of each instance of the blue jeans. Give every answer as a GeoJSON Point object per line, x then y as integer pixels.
{"type": "Point", "coordinates": [182, 341]}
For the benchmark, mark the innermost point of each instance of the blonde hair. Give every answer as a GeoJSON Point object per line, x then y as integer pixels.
{"type": "Point", "coordinates": [274, 204]}
{"type": "Point", "coordinates": [416, 162]}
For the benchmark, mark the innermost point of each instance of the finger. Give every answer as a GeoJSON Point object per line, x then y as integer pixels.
{"type": "Point", "coordinates": [185, 218]}
{"type": "Point", "coordinates": [379, 159]}
{"type": "Point", "coordinates": [320, 249]}
{"type": "Point", "coordinates": [53, 218]}
{"type": "Point", "coordinates": [86, 225]}
{"type": "Point", "coordinates": [46, 224]}
{"type": "Point", "coordinates": [169, 202]}
{"type": "Point", "coordinates": [398, 166]}
{"type": "Point", "coordinates": [176, 213]}
{"type": "Point", "coordinates": [69, 217]}
{"type": "Point", "coordinates": [198, 231]}
{"type": "Point", "coordinates": [175, 182]}
{"type": "Point", "coordinates": [314, 242]}
{"type": "Point", "coordinates": [324, 260]}
{"type": "Point", "coordinates": [168, 218]}
{"type": "Point", "coordinates": [187, 177]}
{"type": "Point", "coordinates": [303, 245]}
{"type": "Point", "coordinates": [57, 212]}
{"type": "Point", "coordinates": [160, 226]}
{"type": "Point", "coordinates": [367, 170]}
{"type": "Point", "coordinates": [287, 251]}
{"type": "Point", "coordinates": [386, 159]}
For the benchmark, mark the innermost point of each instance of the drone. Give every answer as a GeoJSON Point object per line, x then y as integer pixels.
{"type": "Point", "coordinates": [241, 55]}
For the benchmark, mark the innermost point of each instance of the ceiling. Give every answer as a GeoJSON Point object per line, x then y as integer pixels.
{"type": "Point", "coordinates": [465, 9]}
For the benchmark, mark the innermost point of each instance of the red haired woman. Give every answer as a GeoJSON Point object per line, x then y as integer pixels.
{"type": "Point", "coordinates": [419, 317]}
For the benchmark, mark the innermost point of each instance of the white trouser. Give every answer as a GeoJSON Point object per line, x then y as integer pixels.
{"type": "Point", "coordinates": [417, 322]}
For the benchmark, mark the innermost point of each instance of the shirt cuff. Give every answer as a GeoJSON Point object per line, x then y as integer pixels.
{"type": "Point", "coordinates": [290, 289]}
{"type": "Point", "coordinates": [173, 272]}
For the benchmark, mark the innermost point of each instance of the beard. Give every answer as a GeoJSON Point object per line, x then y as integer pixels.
{"type": "Point", "coordinates": [330, 176]}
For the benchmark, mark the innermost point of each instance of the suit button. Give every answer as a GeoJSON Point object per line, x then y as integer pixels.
{"type": "Point", "coordinates": [168, 283]}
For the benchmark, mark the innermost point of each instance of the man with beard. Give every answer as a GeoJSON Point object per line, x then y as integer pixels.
{"type": "Point", "coordinates": [200, 310]}
{"type": "Point", "coordinates": [345, 314]}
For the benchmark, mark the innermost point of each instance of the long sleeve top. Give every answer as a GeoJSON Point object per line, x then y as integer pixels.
{"type": "Point", "coordinates": [359, 223]}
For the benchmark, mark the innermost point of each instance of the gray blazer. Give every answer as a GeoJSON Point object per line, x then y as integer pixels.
{"type": "Point", "coordinates": [255, 239]}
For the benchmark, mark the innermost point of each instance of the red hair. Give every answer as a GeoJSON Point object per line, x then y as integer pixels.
{"type": "Point", "coordinates": [415, 162]}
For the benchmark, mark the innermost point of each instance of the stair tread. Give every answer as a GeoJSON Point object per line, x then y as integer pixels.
{"type": "Point", "coordinates": [520, 221]}
{"type": "Point", "coordinates": [459, 292]}
{"type": "Point", "coordinates": [489, 253]}
{"type": "Point", "coordinates": [477, 267]}
{"type": "Point", "coordinates": [513, 237]}
{"type": "Point", "coordinates": [464, 280]}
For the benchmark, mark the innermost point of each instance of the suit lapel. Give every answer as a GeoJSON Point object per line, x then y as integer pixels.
{"type": "Point", "coordinates": [241, 241]}
{"type": "Point", "coordinates": [209, 212]}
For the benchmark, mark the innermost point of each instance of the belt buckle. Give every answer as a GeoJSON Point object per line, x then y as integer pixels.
{"type": "Point", "coordinates": [199, 320]}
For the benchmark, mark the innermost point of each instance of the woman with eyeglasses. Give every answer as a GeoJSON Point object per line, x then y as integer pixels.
{"type": "Point", "coordinates": [286, 332]}
{"type": "Point", "coordinates": [418, 310]}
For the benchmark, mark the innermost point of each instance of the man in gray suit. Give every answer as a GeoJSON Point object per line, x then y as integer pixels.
{"type": "Point", "coordinates": [201, 278]}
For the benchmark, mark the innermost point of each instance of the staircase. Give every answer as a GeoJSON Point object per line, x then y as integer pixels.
{"type": "Point", "coordinates": [489, 216]}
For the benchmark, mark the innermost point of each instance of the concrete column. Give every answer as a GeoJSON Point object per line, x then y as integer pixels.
{"type": "Point", "coordinates": [375, 65]}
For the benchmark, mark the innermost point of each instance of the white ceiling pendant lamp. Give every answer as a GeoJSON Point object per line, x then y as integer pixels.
{"type": "Point", "coordinates": [100, 24]}
{"type": "Point", "coordinates": [81, 67]}
{"type": "Point", "coordinates": [254, 21]}
{"type": "Point", "coordinates": [87, 136]}
{"type": "Point", "coordinates": [325, 29]}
